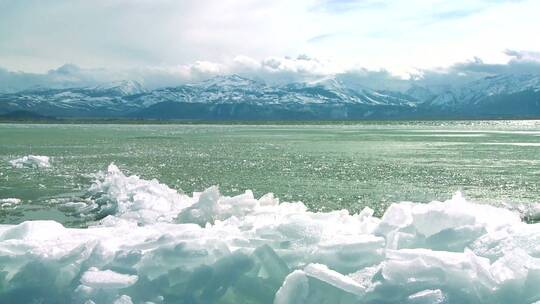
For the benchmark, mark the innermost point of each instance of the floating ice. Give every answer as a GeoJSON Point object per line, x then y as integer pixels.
{"type": "Point", "coordinates": [152, 244]}
{"type": "Point", "coordinates": [8, 202]}
{"type": "Point", "coordinates": [135, 199]}
{"type": "Point", "coordinates": [31, 161]}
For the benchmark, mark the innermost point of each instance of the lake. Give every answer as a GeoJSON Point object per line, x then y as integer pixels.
{"type": "Point", "coordinates": [326, 166]}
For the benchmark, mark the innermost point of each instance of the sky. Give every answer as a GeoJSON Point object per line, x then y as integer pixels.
{"type": "Point", "coordinates": [167, 42]}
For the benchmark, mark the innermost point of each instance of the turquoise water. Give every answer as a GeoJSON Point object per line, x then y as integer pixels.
{"type": "Point", "coordinates": [327, 166]}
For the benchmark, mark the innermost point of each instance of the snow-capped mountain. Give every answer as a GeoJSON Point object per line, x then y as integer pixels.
{"type": "Point", "coordinates": [475, 92]}
{"type": "Point", "coordinates": [334, 91]}
{"type": "Point", "coordinates": [218, 90]}
{"type": "Point", "coordinates": [501, 95]}
{"type": "Point", "coordinates": [120, 88]}
{"type": "Point", "coordinates": [236, 97]}
{"type": "Point", "coordinates": [235, 89]}
{"type": "Point", "coordinates": [106, 100]}
{"type": "Point", "coordinates": [421, 94]}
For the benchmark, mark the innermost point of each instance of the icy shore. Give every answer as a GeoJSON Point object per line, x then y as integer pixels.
{"type": "Point", "coordinates": [155, 245]}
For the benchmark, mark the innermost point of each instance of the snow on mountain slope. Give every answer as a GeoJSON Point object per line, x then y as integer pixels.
{"type": "Point", "coordinates": [234, 89]}
{"type": "Point", "coordinates": [87, 101]}
{"type": "Point", "coordinates": [229, 95]}
{"type": "Point", "coordinates": [123, 88]}
{"type": "Point", "coordinates": [420, 93]}
{"type": "Point", "coordinates": [218, 90]}
{"type": "Point", "coordinates": [475, 92]}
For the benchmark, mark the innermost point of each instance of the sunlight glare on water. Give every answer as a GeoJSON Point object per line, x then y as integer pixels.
{"type": "Point", "coordinates": [326, 166]}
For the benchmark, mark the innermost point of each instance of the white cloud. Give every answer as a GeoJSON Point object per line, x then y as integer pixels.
{"type": "Point", "coordinates": [523, 55]}
{"type": "Point", "coordinates": [276, 70]}
{"type": "Point", "coordinates": [394, 35]}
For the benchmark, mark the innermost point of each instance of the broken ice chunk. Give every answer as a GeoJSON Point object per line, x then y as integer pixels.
{"type": "Point", "coordinates": [34, 230]}
{"type": "Point", "coordinates": [123, 299]}
{"type": "Point", "coordinates": [349, 253]}
{"type": "Point", "coordinates": [465, 273]}
{"type": "Point", "coordinates": [107, 279]}
{"type": "Point", "coordinates": [428, 296]}
{"type": "Point", "coordinates": [203, 211]}
{"type": "Point", "coordinates": [294, 290]}
{"type": "Point", "coordinates": [271, 264]}
{"type": "Point", "coordinates": [318, 284]}
{"type": "Point", "coordinates": [8, 202]}
{"type": "Point", "coordinates": [31, 161]}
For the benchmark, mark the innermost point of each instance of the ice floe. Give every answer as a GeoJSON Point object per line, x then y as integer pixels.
{"type": "Point", "coordinates": [31, 161]}
{"type": "Point", "coordinates": [152, 244]}
{"type": "Point", "coordinates": [8, 202]}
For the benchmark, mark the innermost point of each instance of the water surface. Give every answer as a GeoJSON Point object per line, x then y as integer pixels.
{"type": "Point", "coordinates": [327, 166]}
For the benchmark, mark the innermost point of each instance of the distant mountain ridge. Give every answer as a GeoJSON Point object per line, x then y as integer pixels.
{"type": "Point", "coordinates": [501, 95]}
{"type": "Point", "coordinates": [236, 97]}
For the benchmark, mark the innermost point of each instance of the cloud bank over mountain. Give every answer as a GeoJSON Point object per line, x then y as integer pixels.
{"type": "Point", "coordinates": [383, 45]}
{"type": "Point", "coordinates": [275, 70]}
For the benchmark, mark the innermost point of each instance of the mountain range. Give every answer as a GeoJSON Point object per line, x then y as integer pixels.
{"type": "Point", "coordinates": [234, 97]}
